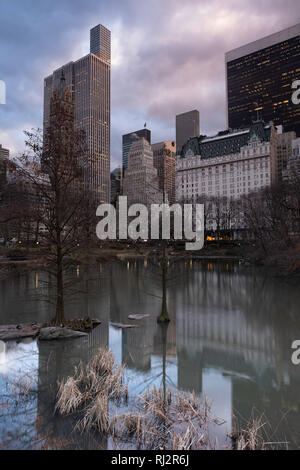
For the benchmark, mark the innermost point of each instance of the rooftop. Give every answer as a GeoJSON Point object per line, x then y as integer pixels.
{"type": "Point", "coordinates": [263, 43]}
{"type": "Point", "coordinates": [230, 143]}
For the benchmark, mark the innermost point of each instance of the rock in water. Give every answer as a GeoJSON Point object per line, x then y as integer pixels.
{"type": "Point", "coordinates": [138, 317]}
{"type": "Point", "coordinates": [122, 326]}
{"type": "Point", "coordinates": [53, 332]}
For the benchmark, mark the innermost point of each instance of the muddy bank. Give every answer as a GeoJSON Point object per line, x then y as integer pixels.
{"type": "Point", "coordinates": [44, 332]}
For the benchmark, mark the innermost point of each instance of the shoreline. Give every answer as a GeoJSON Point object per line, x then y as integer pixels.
{"type": "Point", "coordinates": [247, 259]}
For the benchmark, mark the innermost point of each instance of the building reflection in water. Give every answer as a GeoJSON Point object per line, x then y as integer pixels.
{"type": "Point", "coordinates": [229, 337]}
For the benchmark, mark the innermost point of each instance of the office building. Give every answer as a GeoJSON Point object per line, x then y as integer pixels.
{"type": "Point", "coordinates": [88, 80]}
{"type": "Point", "coordinates": [164, 160]}
{"type": "Point", "coordinates": [4, 156]}
{"type": "Point", "coordinates": [292, 171]}
{"type": "Point", "coordinates": [128, 139]}
{"type": "Point", "coordinates": [187, 125]}
{"type": "Point", "coordinates": [283, 151]}
{"type": "Point", "coordinates": [116, 184]}
{"type": "Point", "coordinates": [260, 76]}
{"type": "Point", "coordinates": [140, 182]}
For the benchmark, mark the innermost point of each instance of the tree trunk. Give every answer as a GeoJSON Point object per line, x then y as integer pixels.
{"type": "Point", "coordinates": [164, 316]}
{"type": "Point", "coordinates": [60, 314]}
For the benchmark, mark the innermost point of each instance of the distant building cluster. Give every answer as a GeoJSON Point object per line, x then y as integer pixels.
{"type": "Point", "coordinates": [259, 148]}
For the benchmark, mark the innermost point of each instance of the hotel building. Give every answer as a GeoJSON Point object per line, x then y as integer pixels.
{"type": "Point", "coordinates": [228, 166]}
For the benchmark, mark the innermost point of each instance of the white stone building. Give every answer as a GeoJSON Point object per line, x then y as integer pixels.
{"type": "Point", "coordinates": [140, 182]}
{"type": "Point", "coordinates": [225, 168]}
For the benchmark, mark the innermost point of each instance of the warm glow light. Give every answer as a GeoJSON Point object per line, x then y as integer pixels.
{"type": "Point", "coordinates": [36, 280]}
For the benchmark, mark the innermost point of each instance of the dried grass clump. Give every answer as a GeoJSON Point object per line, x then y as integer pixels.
{"type": "Point", "coordinates": [154, 405]}
{"type": "Point", "coordinates": [250, 438]}
{"type": "Point", "coordinates": [165, 421]}
{"type": "Point", "coordinates": [69, 397]}
{"type": "Point", "coordinates": [96, 415]}
{"type": "Point", "coordinates": [162, 419]}
{"type": "Point", "coordinates": [188, 439]}
{"type": "Point", "coordinates": [129, 427]}
{"type": "Point", "coordinates": [90, 390]}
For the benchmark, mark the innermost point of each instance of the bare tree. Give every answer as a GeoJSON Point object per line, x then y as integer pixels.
{"type": "Point", "coordinates": [53, 168]}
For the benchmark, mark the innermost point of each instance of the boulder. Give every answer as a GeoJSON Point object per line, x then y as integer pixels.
{"type": "Point", "coordinates": [55, 332]}
{"type": "Point", "coordinates": [17, 332]}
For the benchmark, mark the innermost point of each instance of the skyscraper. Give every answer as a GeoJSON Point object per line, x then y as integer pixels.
{"type": "Point", "coordinates": [140, 182]}
{"type": "Point", "coordinates": [164, 160]}
{"type": "Point", "coordinates": [88, 80]}
{"type": "Point", "coordinates": [187, 125]}
{"type": "Point", "coordinates": [4, 156]}
{"type": "Point", "coordinates": [260, 76]}
{"type": "Point", "coordinates": [128, 139]}
{"type": "Point", "coordinates": [116, 178]}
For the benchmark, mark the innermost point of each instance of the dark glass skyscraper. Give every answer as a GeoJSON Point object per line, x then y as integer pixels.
{"type": "Point", "coordinates": [128, 139]}
{"type": "Point", "coordinates": [259, 80]}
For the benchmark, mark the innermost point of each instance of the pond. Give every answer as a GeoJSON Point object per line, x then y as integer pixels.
{"type": "Point", "coordinates": [229, 338]}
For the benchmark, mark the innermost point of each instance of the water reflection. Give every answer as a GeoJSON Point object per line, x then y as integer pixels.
{"type": "Point", "coordinates": [229, 337]}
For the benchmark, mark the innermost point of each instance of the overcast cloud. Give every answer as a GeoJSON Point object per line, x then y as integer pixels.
{"type": "Point", "coordinates": [167, 57]}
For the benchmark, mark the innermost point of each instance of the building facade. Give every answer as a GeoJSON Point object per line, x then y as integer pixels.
{"type": "Point", "coordinates": [140, 183]}
{"type": "Point", "coordinates": [116, 183]}
{"type": "Point", "coordinates": [260, 76]}
{"type": "Point", "coordinates": [88, 80]}
{"type": "Point", "coordinates": [164, 160]}
{"type": "Point", "coordinates": [292, 171]}
{"type": "Point", "coordinates": [128, 139]}
{"type": "Point", "coordinates": [282, 153]}
{"type": "Point", "coordinates": [224, 168]}
{"type": "Point", "coordinates": [4, 156]}
{"type": "Point", "coordinates": [187, 126]}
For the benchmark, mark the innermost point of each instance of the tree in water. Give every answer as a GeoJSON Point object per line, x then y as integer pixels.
{"type": "Point", "coordinates": [53, 169]}
{"type": "Point", "coordinates": [164, 262]}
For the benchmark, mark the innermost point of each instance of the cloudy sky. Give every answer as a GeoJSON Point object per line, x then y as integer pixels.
{"type": "Point", "coordinates": [167, 57]}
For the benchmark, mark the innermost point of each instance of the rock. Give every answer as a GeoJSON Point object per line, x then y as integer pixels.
{"type": "Point", "coordinates": [53, 332]}
{"type": "Point", "coordinates": [138, 317]}
{"type": "Point", "coordinates": [121, 325]}
{"type": "Point", "coordinates": [15, 332]}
